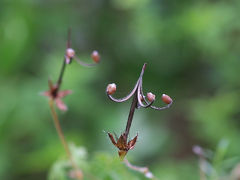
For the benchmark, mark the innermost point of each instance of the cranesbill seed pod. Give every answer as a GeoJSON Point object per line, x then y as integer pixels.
{"type": "Point", "coordinates": [111, 88]}
{"type": "Point", "coordinates": [166, 99]}
{"type": "Point", "coordinates": [70, 53]}
{"type": "Point", "coordinates": [95, 56]}
{"type": "Point", "coordinates": [150, 96]}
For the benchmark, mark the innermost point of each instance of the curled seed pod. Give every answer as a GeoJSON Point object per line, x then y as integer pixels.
{"type": "Point", "coordinates": [95, 56]}
{"type": "Point", "coordinates": [150, 96]}
{"type": "Point", "coordinates": [111, 88]}
{"type": "Point", "coordinates": [70, 53]}
{"type": "Point", "coordinates": [166, 99]}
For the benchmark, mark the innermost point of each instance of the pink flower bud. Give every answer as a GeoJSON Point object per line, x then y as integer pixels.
{"type": "Point", "coordinates": [166, 99]}
{"type": "Point", "coordinates": [150, 97]}
{"type": "Point", "coordinates": [95, 56]}
{"type": "Point", "coordinates": [111, 88]}
{"type": "Point", "coordinates": [70, 53]}
{"type": "Point", "coordinates": [198, 150]}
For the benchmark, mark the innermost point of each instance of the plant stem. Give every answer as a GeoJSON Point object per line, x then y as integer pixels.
{"type": "Point", "coordinates": [143, 170]}
{"type": "Point", "coordinates": [59, 82]}
{"type": "Point", "coordinates": [62, 138]}
{"type": "Point", "coordinates": [131, 113]}
{"type": "Point", "coordinates": [201, 167]}
{"type": "Point", "coordinates": [59, 129]}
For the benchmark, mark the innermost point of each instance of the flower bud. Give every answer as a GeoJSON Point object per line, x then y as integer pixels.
{"type": "Point", "coordinates": [149, 175]}
{"type": "Point", "coordinates": [70, 53]}
{"type": "Point", "coordinates": [166, 99]}
{"type": "Point", "coordinates": [95, 56]}
{"type": "Point", "coordinates": [111, 88]}
{"type": "Point", "coordinates": [150, 96]}
{"type": "Point", "coordinates": [198, 150]}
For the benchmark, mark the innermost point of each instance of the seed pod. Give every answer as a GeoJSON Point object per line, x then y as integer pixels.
{"type": "Point", "coordinates": [95, 56]}
{"type": "Point", "coordinates": [166, 99]}
{"type": "Point", "coordinates": [111, 88]}
{"type": "Point", "coordinates": [150, 96]}
{"type": "Point", "coordinates": [70, 53]}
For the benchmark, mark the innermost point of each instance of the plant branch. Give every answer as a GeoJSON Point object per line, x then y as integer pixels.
{"type": "Point", "coordinates": [64, 60]}
{"type": "Point", "coordinates": [201, 166]}
{"type": "Point", "coordinates": [62, 138]}
{"type": "Point", "coordinates": [143, 170]}
{"type": "Point", "coordinates": [131, 113]}
{"type": "Point", "coordinates": [59, 82]}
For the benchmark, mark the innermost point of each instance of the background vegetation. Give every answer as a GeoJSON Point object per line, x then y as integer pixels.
{"type": "Point", "coordinates": [192, 51]}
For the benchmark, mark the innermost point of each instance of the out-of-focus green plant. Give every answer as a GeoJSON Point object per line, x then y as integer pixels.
{"type": "Point", "coordinates": [215, 165]}
{"type": "Point", "coordinates": [99, 167]}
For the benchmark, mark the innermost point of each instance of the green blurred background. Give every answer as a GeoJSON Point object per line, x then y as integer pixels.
{"type": "Point", "coordinates": [192, 51]}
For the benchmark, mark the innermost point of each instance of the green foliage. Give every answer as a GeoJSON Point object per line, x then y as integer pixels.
{"type": "Point", "coordinates": [100, 166]}
{"type": "Point", "coordinates": [215, 165]}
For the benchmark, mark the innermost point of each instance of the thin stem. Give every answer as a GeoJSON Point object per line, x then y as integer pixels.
{"type": "Point", "coordinates": [143, 170]}
{"type": "Point", "coordinates": [131, 113]}
{"type": "Point", "coordinates": [59, 129]}
{"type": "Point", "coordinates": [61, 74]}
{"type": "Point", "coordinates": [141, 94]}
{"type": "Point", "coordinates": [59, 82]}
{"type": "Point", "coordinates": [64, 60]}
{"type": "Point", "coordinates": [134, 102]}
{"type": "Point", "coordinates": [125, 98]}
{"type": "Point", "coordinates": [83, 63]}
{"type": "Point", "coordinates": [161, 108]}
{"type": "Point", "coordinates": [201, 167]}
{"type": "Point", "coordinates": [62, 138]}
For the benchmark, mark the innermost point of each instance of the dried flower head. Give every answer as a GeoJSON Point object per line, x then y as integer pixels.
{"type": "Point", "coordinates": [56, 95]}
{"type": "Point", "coordinates": [122, 144]}
{"type": "Point", "coordinates": [138, 92]}
{"type": "Point", "coordinates": [139, 101]}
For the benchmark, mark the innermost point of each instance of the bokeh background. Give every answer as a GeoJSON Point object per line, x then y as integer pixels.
{"type": "Point", "coordinates": [192, 51]}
